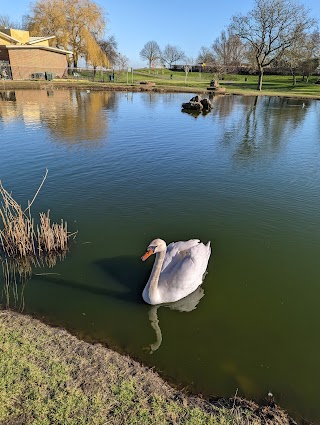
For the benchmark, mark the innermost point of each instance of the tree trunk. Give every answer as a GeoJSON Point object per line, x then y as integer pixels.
{"type": "Point", "coordinates": [260, 78]}
{"type": "Point", "coordinates": [294, 81]}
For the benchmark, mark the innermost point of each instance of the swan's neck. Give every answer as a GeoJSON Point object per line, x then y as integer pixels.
{"type": "Point", "coordinates": [155, 274]}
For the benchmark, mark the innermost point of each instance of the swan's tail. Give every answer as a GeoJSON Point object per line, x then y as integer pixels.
{"type": "Point", "coordinates": [208, 246]}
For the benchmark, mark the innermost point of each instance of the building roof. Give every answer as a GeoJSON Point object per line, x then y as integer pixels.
{"type": "Point", "coordinates": [34, 40]}
{"type": "Point", "coordinates": [27, 46]}
{"type": "Point", "coordinates": [27, 42]}
{"type": "Point", "coordinates": [8, 37]}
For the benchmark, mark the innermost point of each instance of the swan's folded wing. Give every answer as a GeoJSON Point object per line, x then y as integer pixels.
{"type": "Point", "coordinates": [186, 274]}
{"type": "Point", "coordinates": [191, 268]}
{"type": "Point", "coordinates": [183, 276]}
{"type": "Point", "coordinates": [176, 252]}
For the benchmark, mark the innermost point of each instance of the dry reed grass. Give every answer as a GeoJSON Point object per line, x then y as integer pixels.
{"type": "Point", "coordinates": [25, 246]}
{"type": "Point", "coordinates": [20, 238]}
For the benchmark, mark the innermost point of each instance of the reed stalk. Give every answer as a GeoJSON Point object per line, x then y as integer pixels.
{"type": "Point", "coordinates": [19, 238]}
{"type": "Point", "coordinates": [25, 245]}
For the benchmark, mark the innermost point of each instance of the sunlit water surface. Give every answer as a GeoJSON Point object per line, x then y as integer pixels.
{"type": "Point", "coordinates": [126, 168]}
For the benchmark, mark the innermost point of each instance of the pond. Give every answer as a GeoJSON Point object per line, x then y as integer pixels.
{"type": "Point", "coordinates": [125, 168]}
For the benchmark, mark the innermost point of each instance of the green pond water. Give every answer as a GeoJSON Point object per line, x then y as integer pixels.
{"type": "Point", "coordinates": [126, 168]}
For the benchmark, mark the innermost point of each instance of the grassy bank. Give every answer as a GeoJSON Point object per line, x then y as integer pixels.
{"type": "Point", "coordinates": [48, 376]}
{"type": "Point", "coordinates": [195, 83]}
{"type": "Point", "coordinates": [276, 85]}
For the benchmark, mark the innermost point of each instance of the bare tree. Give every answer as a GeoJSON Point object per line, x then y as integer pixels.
{"type": "Point", "coordinates": [151, 52]}
{"type": "Point", "coordinates": [188, 63]}
{"type": "Point", "coordinates": [228, 49]}
{"type": "Point", "coordinates": [206, 56]}
{"type": "Point", "coordinates": [122, 62]}
{"type": "Point", "coordinates": [270, 28]}
{"type": "Point", "coordinates": [292, 58]}
{"type": "Point", "coordinates": [171, 54]}
{"type": "Point", "coordinates": [109, 46]}
{"type": "Point", "coordinates": [7, 22]}
{"type": "Point", "coordinates": [303, 55]}
{"type": "Point", "coordinates": [311, 59]}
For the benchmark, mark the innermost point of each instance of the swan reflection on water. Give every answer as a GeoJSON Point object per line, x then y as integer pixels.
{"type": "Point", "coordinates": [186, 305]}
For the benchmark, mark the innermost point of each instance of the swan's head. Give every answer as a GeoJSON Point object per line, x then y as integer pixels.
{"type": "Point", "coordinates": [157, 245]}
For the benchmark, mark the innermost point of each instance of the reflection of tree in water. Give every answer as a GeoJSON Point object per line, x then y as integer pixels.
{"type": "Point", "coordinates": [171, 97]}
{"type": "Point", "coordinates": [7, 105]}
{"type": "Point", "coordinates": [248, 144]}
{"type": "Point", "coordinates": [258, 126]}
{"type": "Point", "coordinates": [150, 98]}
{"type": "Point", "coordinates": [82, 117]}
{"type": "Point", "coordinates": [70, 115]}
{"type": "Point", "coordinates": [222, 105]}
{"type": "Point", "coordinates": [16, 272]}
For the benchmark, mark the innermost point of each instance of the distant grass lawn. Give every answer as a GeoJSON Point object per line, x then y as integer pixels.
{"type": "Point", "coordinates": [237, 84]}
{"type": "Point", "coordinates": [273, 85]}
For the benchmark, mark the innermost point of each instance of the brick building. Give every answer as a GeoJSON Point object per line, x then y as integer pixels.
{"type": "Point", "coordinates": [23, 57]}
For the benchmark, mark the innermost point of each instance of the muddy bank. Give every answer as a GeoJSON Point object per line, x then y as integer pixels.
{"type": "Point", "coordinates": [137, 87]}
{"type": "Point", "coordinates": [87, 85]}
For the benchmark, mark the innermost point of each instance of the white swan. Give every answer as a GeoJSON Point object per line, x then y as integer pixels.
{"type": "Point", "coordinates": [177, 271]}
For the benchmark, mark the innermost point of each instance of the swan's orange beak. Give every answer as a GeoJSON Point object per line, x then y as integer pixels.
{"type": "Point", "coordinates": [147, 255]}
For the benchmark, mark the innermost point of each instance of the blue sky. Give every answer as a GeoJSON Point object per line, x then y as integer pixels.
{"type": "Point", "coordinates": [187, 24]}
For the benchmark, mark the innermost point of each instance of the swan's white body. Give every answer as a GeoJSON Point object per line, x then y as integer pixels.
{"type": "Point", "coordinates": [177, 271]}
